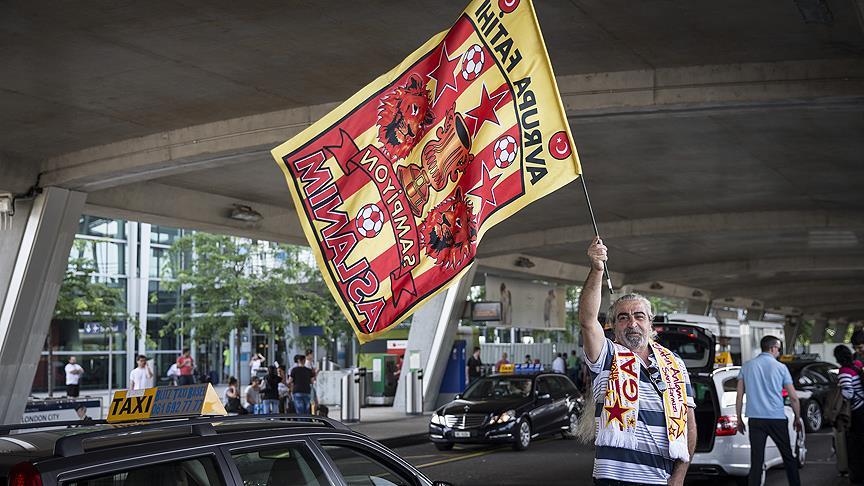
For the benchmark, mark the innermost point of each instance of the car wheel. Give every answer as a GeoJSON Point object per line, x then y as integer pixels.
{"type": "Point", "coordinates": [572, 426]}
{"type": "Point", "coordinates": [812, 416]}
{"type": "Point", "coordinates": [523, 435]}
{"type": "Point", "coordinates": [444, 446]}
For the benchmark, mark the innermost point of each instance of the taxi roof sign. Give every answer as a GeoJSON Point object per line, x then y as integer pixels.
{"type": "Point", "coordinates": [166, 401]}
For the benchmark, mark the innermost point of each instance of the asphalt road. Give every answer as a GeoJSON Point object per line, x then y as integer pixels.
{"type": "Point", "coordinates": [555, 461]}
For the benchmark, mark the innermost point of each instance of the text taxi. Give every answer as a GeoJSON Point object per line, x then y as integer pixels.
{"type": "Point", "coordinates": [182, 436]}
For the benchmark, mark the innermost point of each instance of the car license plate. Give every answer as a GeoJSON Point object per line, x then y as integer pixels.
{"type": "Point", "coordinates": [461, 434]}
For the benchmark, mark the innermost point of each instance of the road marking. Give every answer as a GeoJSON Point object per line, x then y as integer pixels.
{"type": "Point", "coordinates": [471, 456]}
{"type": "Point", "coordinates": [458, 458]}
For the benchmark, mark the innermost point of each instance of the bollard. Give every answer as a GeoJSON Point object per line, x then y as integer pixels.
{"type": "Point", "coordinates": [414, 392]}
{"type": "Point", "coordinates": [350, 396]}
{"type": "Point", "coordinates": [360, 382]}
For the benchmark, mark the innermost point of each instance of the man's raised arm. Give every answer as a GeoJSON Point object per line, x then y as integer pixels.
{"type": "Point", "coordinates": [589, 302]}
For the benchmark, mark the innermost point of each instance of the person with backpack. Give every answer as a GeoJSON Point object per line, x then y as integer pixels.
{"type": "Point", "coordinates": [849, 382]}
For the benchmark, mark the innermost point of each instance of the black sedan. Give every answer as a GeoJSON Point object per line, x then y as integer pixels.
{"type": "Point", "coordinates": [508, 409]}
{"type": "Point", "coordinates": [813, 381]}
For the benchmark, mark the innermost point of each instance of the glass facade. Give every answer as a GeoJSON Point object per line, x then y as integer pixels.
{"type": "Point", "coordinates": [133, 257]}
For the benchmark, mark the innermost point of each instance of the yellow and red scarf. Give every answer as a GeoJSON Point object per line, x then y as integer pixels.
{"type": "Point", "coordinates": [617, 424]}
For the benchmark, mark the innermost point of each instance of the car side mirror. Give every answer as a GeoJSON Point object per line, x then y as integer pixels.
{"type": "Point", "coordinates": [544, 396]}
{"type": "Point", "coordinates": [458, 396]}
{"type": "Point", "coordinates": [441, 483]}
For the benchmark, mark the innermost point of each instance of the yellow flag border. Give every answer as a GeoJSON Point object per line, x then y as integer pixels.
{"type": "Point", "coordinates": [364, 95]}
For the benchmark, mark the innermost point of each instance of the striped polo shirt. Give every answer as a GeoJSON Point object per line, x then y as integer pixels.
{"type": "Point", "coordinates": [850, 386]}
{"type": "Point", "coordinates": [650, 462]}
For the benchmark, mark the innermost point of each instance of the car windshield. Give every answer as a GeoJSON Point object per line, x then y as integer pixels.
{"type": "Point", "coordinates": [498, 387]}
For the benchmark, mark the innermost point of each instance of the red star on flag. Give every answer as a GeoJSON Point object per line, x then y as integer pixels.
{"type": "Point", "coordinates": [443, 74]}
{"type": "Point", "coordinates": [485, 189]}
{"type": "Point", "coordinates": [616, 412]}
{"type": "Point", "coordinates": [485, 111]}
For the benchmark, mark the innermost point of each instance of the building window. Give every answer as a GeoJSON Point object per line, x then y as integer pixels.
{"type": "Point", "coordinates": [160, 263]}
{"type": "Point", "coordinates": [108, 256]}
{"type": "Point", "coordinates": [102, 227]}
{"type": "Point", "coordinates": [160, 300]}
{"type": "Point", "coordinates": [162, 235]}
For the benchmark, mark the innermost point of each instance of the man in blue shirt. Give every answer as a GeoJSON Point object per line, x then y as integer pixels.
{"type": "Point", "coordinates": [763, 378]}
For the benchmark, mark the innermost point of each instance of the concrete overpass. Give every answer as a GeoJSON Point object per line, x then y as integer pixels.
{"type": "Point", "coordinates": [722, 143]}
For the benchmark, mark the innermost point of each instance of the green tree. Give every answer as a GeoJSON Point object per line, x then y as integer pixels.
{"type": "Point", "coordinates": [83, 298]}
{"type": "Point", "coordinates": [227, 283]}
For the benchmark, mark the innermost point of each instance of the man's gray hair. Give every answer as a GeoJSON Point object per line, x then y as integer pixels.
{"type": "Point", "coordinates": [613, 309]}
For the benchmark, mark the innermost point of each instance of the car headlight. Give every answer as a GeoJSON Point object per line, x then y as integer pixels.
{"type": "Point", "coordinates": [437, 419]}
{"type": "Point", "coordinates": [504, 417]}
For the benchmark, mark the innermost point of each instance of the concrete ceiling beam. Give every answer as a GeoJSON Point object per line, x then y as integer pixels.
{"type": "Point", "coordinates": [777, 291]}
{"type": "Point", "coordinates": [178, 151]}
{"type": "Point", "coordinates": [718, 87]}
{"type": "Point", "coordinates": [736, 268]}
{"type": "Point", "coordinates": [594, 94]}
{"type": "Point", "coordinates": [171, 206]}
{"type": "Point", "coordinates": [692, 224]}
{"type": "Point", "coordinates": [542, 268]}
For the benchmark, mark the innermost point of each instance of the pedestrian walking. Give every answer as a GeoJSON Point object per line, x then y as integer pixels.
{"type": "Point", "coordinates": [474, 368]}
{"type": "Point", "coordinates": [255, 364]}
{"type": "Point", "coordinates": [762, 379]}
{"type": "Point", "coordinates": [252, 396]}
{"type": "Point", "coordinates": [849, 381]}
{"type": "Point", "coordinates": [142, 376]}
{"type": "Point", "coordinates": [501, 362]}
{"type": "Point", "coordinates": [185, 368]}
{"type": "Point", "coordinates": [558, 365]}
{"type": "Point", "coordinates": [270, 393]}
{"type": "Point", "coordinates": [858, 345]}
{"type": "Point", "coordinates": [644, 402]}
{"type": "Point", "coordinates": [233, 403]}
{"type": "Point", "coordinates": [73, 377]}
{"type": "Point", "coordinates": [300, 382]}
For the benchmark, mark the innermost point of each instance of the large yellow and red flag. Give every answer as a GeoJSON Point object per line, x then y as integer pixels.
{"type": "Point", "coordinates": [397, 186]}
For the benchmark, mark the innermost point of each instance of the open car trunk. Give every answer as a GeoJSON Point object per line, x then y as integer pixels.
{"type": "Point", "coordinates": [695, 346]}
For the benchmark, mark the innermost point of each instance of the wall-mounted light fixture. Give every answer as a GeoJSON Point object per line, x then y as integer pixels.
{"type": "Point", "coordinates": [245, 213]}
{"type": "Point", "coordinates": [523, 262]}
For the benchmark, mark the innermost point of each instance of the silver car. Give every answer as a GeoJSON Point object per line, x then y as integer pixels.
{"type": "Point", "coordinates": [720, 449]}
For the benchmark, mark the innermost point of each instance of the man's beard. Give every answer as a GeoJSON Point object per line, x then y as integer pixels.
{"type": "Point", "coordinates": [633, 339]}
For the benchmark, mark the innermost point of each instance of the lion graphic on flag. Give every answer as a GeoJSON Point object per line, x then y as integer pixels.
{"type": "Point", "coordinates": [449, 231]}
{"type": "Point", "coordinates": [404, 115]}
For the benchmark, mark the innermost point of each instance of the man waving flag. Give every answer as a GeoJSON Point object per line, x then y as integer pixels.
{"type": "Point", "coordinates": [396, 187]}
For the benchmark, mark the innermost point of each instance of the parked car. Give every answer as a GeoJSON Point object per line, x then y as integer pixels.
{"type": "Point", "coordinates": [508, 408]}
{"type": "Point", "coordinates": [201, 451]}
{"type": "Point", "coordinates": [813, 381]}
{"type": "Point", "coordinates": [720, 449]}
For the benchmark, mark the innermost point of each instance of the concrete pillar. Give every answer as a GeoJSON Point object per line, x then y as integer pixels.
{"type": "Point", "coordinates": [433, 330]}
{"type": "Point", "coordinates": [840, 329]}
{"type": "Point", "coordinates": [817, 334]}
{"type": "Point", "coordinates": [34, 254]}
{"type": "Point", "coordinates": [791, 329]}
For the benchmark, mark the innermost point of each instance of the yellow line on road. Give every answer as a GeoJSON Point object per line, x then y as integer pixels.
{"type": "Point", "coordinates": [469, 456]}
{"type": "Point", "coordinates": [458, 458]}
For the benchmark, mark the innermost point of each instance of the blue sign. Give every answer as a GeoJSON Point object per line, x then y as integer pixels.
{"type": "Point", "coordinates": [311, 330]}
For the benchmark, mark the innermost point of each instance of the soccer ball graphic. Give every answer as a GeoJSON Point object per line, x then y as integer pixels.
{"type": "Point", "coordinates": [472, 62]}
{"type": "Point", "coordinates": [505, 151]}
{"type": "Point", "coordinates": [369, 221]}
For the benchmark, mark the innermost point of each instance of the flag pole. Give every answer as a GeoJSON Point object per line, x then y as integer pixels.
{"type": "Point", "coordinates": [596, 232]}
